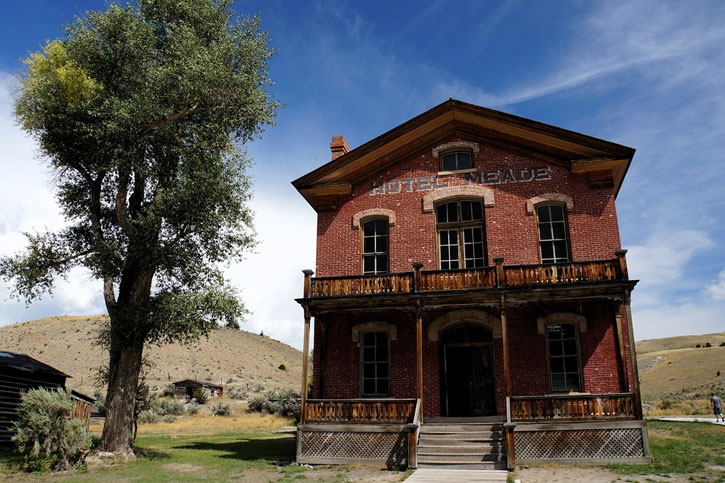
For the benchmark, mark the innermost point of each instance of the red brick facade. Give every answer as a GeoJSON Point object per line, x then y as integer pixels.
{"type": "Point", "coordinates": [405, 191]}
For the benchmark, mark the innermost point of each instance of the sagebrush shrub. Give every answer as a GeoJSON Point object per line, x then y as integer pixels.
{"type": "Point", "coordinates": [200, 396]}
{"type": "Point", "coordinates": [44, 433]}
{"type": "Point", "coordinates": [283, 402]}
{"type": "Point", "coordinates": [221, 409]}
{"type": "Point", "coordinates": [192, 409]}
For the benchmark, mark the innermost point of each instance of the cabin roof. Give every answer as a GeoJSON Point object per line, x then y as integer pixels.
{"type": "Point", "coordinates": [23, 362]}
{"type": "Point", "coordinates": [193, 383]}
{"type": "Point", "coordinates": [578, 152]}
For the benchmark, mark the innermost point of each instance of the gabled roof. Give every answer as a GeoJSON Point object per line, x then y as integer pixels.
{"type": "Point", "coordinates": [193, 383]}
{"type": "Point", "coordinates": [23, 362]}
{"type": "Point", "coordinates": [602, 161]}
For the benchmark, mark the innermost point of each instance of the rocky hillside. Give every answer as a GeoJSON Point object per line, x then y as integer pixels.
{"type": "Point", "coordinates": [240, 360]}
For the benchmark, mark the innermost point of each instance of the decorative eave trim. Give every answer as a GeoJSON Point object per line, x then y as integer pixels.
{"type": "Point", "coordinates": [358, 329]}
{"type": "Point", "coordinates": [471, 191]}
{"type": "Point", "coordinates": [464, 145]}
{"type": "Point", "coordinates": [457, 317]}
{"type": "Point", "coordinates": [561, 318]}
{"type": "Point", "coordinates": [381, 212]}
{"type": "Point", "coordinates": [549, 197]}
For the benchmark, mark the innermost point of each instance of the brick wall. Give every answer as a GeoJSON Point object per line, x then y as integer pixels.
{"type": "Point", "coordinates": [510, 231]}
{"type": "Point", "coordinates": [529, 369]}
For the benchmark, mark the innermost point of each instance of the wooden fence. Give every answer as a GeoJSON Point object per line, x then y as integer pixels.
{"type": "Point", "coordinates": [360, 411]}
{"type": "Point", "coordinates": [573, 407]}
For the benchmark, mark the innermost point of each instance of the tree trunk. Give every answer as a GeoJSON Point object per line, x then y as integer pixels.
{"type": "Point", "coordinates": [124, 369]}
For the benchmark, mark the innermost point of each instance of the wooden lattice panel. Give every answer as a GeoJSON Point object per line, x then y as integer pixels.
{"type": "Point", "coordinates": [614, 443]}
{"type": "Point", "coordinates": [390, 447]}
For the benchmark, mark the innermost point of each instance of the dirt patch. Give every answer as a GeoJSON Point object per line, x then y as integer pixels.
{"type": "Point", "coordinates": [551, 474]}
{"type": "Point", "coordinates": [184, 468]}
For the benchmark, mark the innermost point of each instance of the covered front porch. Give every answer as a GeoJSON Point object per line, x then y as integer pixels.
{"type": "Point", "coordinates": [455, 354]}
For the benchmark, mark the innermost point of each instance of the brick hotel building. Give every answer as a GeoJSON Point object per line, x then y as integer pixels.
{"type": "Point", "coordinates": [471, 300]}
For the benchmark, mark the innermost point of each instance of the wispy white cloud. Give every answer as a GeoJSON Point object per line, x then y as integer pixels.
{"type": "Point", "coordinates": [716, 290]}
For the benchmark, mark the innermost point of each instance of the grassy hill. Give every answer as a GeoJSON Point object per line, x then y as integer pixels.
{"type": "Point", "coordinates": [676, 376]}
{"type": "Point", "coordinates": [241, 360]}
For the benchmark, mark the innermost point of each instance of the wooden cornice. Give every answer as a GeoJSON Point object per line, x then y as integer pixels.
{"type": "Point", "coordinates": [581, 153]}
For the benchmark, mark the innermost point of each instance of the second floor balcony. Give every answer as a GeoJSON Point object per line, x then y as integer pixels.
{"type": "Point", "coordinates": [498, 276]}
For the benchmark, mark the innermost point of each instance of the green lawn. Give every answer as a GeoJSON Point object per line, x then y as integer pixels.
{"type": "Point", "coordinates": [685, 448]}
{"type": "Point", "coordinates": [204, 457]}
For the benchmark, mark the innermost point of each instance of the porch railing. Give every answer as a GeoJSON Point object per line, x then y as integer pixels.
{"type": "Point", "coordinates": [497, 276]}
{"type": "Point", "coordinates": [573, 407]}
{"type": "Point", "coordinates": [360, 411]}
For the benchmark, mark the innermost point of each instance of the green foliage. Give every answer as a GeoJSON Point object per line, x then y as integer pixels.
{"type": "Point", "coordinates": [45, 435]}
{"type": "Point", "coordinates": [221, 409]}
{"type": "Point", "coordinates": [140, 112]}
{"type": "Point", "coordinates": [148, 416]}
{"type": "Point", "coordinates": [707, 344]}
{"type": "Point", "coordinates": [284, 402]}
{"type": "Point", "coordinates": [171, 406]}
{"type": "Point", "coordinates": [235, 392]}
{"type": "Point", "coordinates": [169, 418]}
{"type": "Point", "coordinates": [200, 396]}
{"type": "Point", "coordinates": [192, 409]}
{"type": "Point", "coordinates": [282, 367]}
{"type": "Point", "coordinates": [168, 390]}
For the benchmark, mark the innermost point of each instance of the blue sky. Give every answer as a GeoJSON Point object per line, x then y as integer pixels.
{"type": "Point", "coordinates": [648, 74]}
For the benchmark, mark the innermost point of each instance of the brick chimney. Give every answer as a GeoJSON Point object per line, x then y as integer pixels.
{"type": "Point", "coordinates": [338, 146]}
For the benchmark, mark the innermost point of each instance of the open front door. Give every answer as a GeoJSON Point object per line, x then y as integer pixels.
{"type": "Point", "coordinates": [468, 372]}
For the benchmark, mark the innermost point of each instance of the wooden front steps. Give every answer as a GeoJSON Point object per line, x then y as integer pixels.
{"type": "Point", "coordinates": [462, 446]}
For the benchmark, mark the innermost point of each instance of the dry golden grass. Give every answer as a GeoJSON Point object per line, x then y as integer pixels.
{"type": "Point", "coordinates": [679, 342]}
{"type": "Point", "coordinates": [68, 343]}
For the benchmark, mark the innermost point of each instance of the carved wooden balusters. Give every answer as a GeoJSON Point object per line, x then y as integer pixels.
{"type": "Point", "coordinates": [600, 406]}
{"type": "Point", "coordinates": [360, 411]}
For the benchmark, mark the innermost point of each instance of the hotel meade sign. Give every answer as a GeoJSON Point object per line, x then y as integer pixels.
{"type": "Point", "coordinates": [488, 177]}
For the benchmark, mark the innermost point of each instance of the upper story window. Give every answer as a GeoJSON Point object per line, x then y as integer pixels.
{"type": "Point", "coordinates": [553, 240]}
{"type": "Point", "coordinates": [460, 234]}
{"type": "Point", "coordinates": [563, 351]}
{"type": "Point", "coordinates": [375, 364]}
{"type": "Point", "coordinates": [456, 160]}
{"type": "Point", "coordinates": [375, 246]}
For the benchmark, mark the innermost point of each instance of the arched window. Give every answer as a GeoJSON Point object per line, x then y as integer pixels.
{"type": "Point", "coordinates": [461, 241]}
{"type": "Point", "coordinates": [375, 246]}
{"type": "Point", "coordinates": [553, 239]}
{"type": "Point", "coordinates": [563, 353]}
{"type": "Point", "coordinates": [456, 160]}
{"type": "Point", "coordinates": [375, 364]}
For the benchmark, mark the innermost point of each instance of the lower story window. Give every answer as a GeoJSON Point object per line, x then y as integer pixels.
{"type": "Point", "coordinates": [563, 351]}
{"type": "Point", "coordinates": [375, 362]}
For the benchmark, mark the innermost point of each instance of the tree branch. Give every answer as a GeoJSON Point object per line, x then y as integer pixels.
{"type": "Point", "coordinates": [187, 111]}
{"type": "Point", "coordinates": [96, 208]}
{"type": "Point", "coordinates": [121, 215]}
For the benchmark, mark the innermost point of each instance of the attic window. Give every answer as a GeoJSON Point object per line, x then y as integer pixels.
{"type": "Point", "coordinates": [456, 160]}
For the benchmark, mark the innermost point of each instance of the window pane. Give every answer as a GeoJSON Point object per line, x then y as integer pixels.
{"type": "Point", "coordinates": [560, 251]}
{"type": "Point", "coordinates": [383, 386]}
{"type": "Point", "coordinates": [547, 251]}
{"type": "Point", "coordinates": [572, 382]}
{"type": "Point", "coordinates": [381, 243]}
{"type": "Point", "coordinates": [454, 255]}
{"type": "Point", "coordinates": [369, 386]}
{"type": "Point", "coordinates": [469, 250]}
{"type": "Point", "coordinates": [557, 212]}
{"type": "Point", "coordinates": [382, 261]}
{"type": "Point", "coordinates": [368, 371]}
{"type": "Point", "coordinates": [570, 347]}
{"type": "Point", "coordinates": [557, 364]}
{"type": "Point", "coordinates": [452, 211]}
{"type": "Point", "coordinates": [464, 160]}
{"type": "Point", "coordinates": [381, 227]}
{"type": "Point", "coordinates": [559, 231]}
{"type": "Point", "coordinates": [369, 339]}
{"type": "Point", "coordinates": [368, 244]}
{"type": "Point", "coordinates": [554, 332]}
{"type": "Point", "coordinates": [558, 382]}
{"type": "Point", "coordinates": [466, 211]}
{"type": "Point", "coordinates": [571, 364]}
{"type": "Point", "coordinates": [368, 228]}
{"type": "Point", "coordinates": [369, 263]}
{"type": "Point", "coordinates": [449, 161]}
{"type": "Point", "coordinates": [543, 213]}
{"type": "Point", "coordinates": [555, 348]}
{"type": "Point", "coordinates": [568, 331]}
{"type": "Point", "coordinates": [441, 212]}
{"type": "Point", "coordinates": [382, 370]}
{"type": "Point", "coordinates": [544, 232]}
{"type": "Point", "coordinates": [477, 210]}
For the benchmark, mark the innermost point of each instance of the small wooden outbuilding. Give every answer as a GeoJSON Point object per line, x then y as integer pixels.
{"type": "Point", "coordinates": [20, 372]}
{"type": "Point", "coordinates": [185, 388]}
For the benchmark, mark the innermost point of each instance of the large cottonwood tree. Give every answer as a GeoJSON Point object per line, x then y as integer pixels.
{"type": "Point", "coordinates": [139, 111]}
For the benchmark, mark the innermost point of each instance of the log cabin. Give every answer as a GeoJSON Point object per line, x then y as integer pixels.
{"type": "Point", "coordinates": [471, 298]}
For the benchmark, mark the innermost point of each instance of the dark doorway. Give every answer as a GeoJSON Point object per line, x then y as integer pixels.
{"type": "Point", "coordinates": [468, 373]}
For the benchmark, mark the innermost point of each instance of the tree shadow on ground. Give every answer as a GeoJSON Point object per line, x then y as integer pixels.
{"type": "Point", "coordinates": [276, 450]}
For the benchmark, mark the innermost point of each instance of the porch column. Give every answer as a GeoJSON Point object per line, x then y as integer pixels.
{"type": "Point", "coordinates": [621, 349]}
{"type": "Point", "coordinates": [418, 338]}
{"type": "Point", "coordinates": [306, 345]}
{"type": "Point", "coordinates": [508, 426]}
{"type": "Point", "coordinates": [633, 355]}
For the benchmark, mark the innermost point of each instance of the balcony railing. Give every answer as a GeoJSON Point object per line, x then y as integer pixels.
{"type": "Point", "coordinates": [497, 276]}
{"type": "Point", "coordinates": [360, 411]}
{"type": "Point", "coordinates": [573, 407]}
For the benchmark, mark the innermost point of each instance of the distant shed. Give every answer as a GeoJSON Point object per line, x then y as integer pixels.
{"type": "Point", "coordinates": [19, 372]}
{"type": "Point", "coordinates": [185, 388]}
